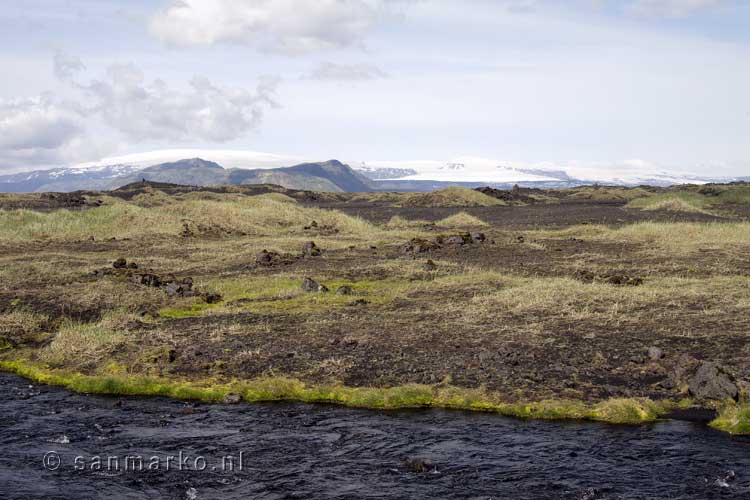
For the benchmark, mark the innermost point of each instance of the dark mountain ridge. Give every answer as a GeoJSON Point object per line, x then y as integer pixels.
{"type": "Point", "coordinates": [329, 176]}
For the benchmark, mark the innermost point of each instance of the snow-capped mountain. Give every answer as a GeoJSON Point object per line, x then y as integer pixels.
{"type": "Point", "coordinates": [483, 170]}
{"type": "Point", "coordinates": [225, 157]}
{"type": "Point", "coordinates": [66, 179]}
{"type": "Point", "coordinates": [400, 175]}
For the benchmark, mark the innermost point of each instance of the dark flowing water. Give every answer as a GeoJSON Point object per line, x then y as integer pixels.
{"type": "Point", "coordinates": [316, 451]}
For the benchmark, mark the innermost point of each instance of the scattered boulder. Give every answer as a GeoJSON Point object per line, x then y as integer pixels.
{"type": "Point", "coordinates": [712, 381]}
{"type": "Point", "coordinates": [324, 229]}
{"type": "Point", "coordinates": [429, 265]}
{"type": "Point", "coordinates": [358, 302]}
{"type": "Point", "coordinates": [420, 465]}
{"type": "Point", "coordinates": [181, 288]}
{"type": "Point", "coordinates": [147, 279]}
{"type": "Point", "coordinates": [655, 354]}
{"type": "Point", "coordinates": [310, 249]}
{"type": "Point", "coordinates": [584, 276]}
{"type": "Point", "coordinates": [186, 232]}
{"type": "Point", "coordinates": [622, 280]}
{"type": "Point", "coordinates": [418, 245]}
{"type": "Point", "coordinates": [345, 290]}
{"type": "Point", "coordinates": [266, 258]}
{"type": "Point", "coordinates": [232, 398]}
{"type": "Point", "coordinates": [456, 239]}
{"type": "Point", "coordinates": [310, 285]}
{"type": "Point", "coordinates": [172, 286]}
{"type": "Point", "coordinates": [120, 263]}
{"type": "Point", "coordinates": [211, 298]}
{"type": "Point", "coordinates": [618, 279]}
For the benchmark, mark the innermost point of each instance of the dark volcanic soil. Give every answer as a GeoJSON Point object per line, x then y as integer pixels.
{"type": "Point", "coordinates": [567, 213]}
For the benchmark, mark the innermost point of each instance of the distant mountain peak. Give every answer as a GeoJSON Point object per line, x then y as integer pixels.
{"type": "Point", "coordinates": [189, 163]}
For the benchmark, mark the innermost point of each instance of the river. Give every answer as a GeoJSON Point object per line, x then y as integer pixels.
{"type": "Point", "coordinates": [58, 444]}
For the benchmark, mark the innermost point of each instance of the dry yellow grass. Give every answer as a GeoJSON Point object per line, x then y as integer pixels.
{"type": "Point", "coordinates": [269, 214]}
{"type": "Point", "coordinates": [461, 219]}
{"type": "Point", "coordinates": [398, 222]}
{"type": "Point", "coordinates": [84, 344]}
{"type": "Point", "coordinates": [544, 299]}
{"type": "Point", "coordinates": [673, 238]}
{"type": "Point", "coordinates": [20, 326]}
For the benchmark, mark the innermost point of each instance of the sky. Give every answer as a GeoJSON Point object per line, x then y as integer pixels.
{"type": "Point", "coordinates": [587, 82]}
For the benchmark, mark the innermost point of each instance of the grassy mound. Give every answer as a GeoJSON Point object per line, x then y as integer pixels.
{"type": "Point", "coordinates": [734, 195]}
{"type": "Point", "coordinates": [461, 219]}
{"type": "Point", "coordinates": [674, 202]}
{"type": "Point", "coordinates": [256, 215]}
{"type": "Point", "coordinates": [450, 197]}
{"type": "Point", "coordinates": [606, 193]}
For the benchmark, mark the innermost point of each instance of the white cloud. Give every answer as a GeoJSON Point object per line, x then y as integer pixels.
{"type": "Point", "coordinates": [65, 65]}
{"type": "Point", "coordinates": [154, 111]}
{"type": "Point", "coordinates": [345, 72]}
{"type": "Point", "coordinates": [37, 131]}
{"type": "Point", "coordinates": [293, 26]}
{"type": "Point", "coordinates": [48, 130]}
{"type": "Point", "coordinates": [671, 8]}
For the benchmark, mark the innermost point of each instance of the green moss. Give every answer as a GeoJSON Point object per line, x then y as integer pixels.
{"type": "Point", "coordinates": [128, 385]}
{"type": "Point", "coordinates": [283, 294]}
{"type": "Point", "coordinates": [619, 411]}
{"type": "Point", "coordinates": [734, 419]}
{"type": "Point", "coordinates": [627, 411]}
{"type": "Point", "coordinates": [191, 310]}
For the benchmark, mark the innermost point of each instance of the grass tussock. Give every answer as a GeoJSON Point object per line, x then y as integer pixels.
{"type": "Point", "coordinates": [461, 219]}
{"type": "Point", "coordinates": [450, 197]}
{"type": "Point", "coordinates": [627, 411]}
{"type": "Point", "coordinates": [82, 344]}
{"type": "Point", "coordinates": [20, 327]}
{"type": "Point", "coordinates": [734, 419]}
{"type": "Point", "coordinates": [621, 411]}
